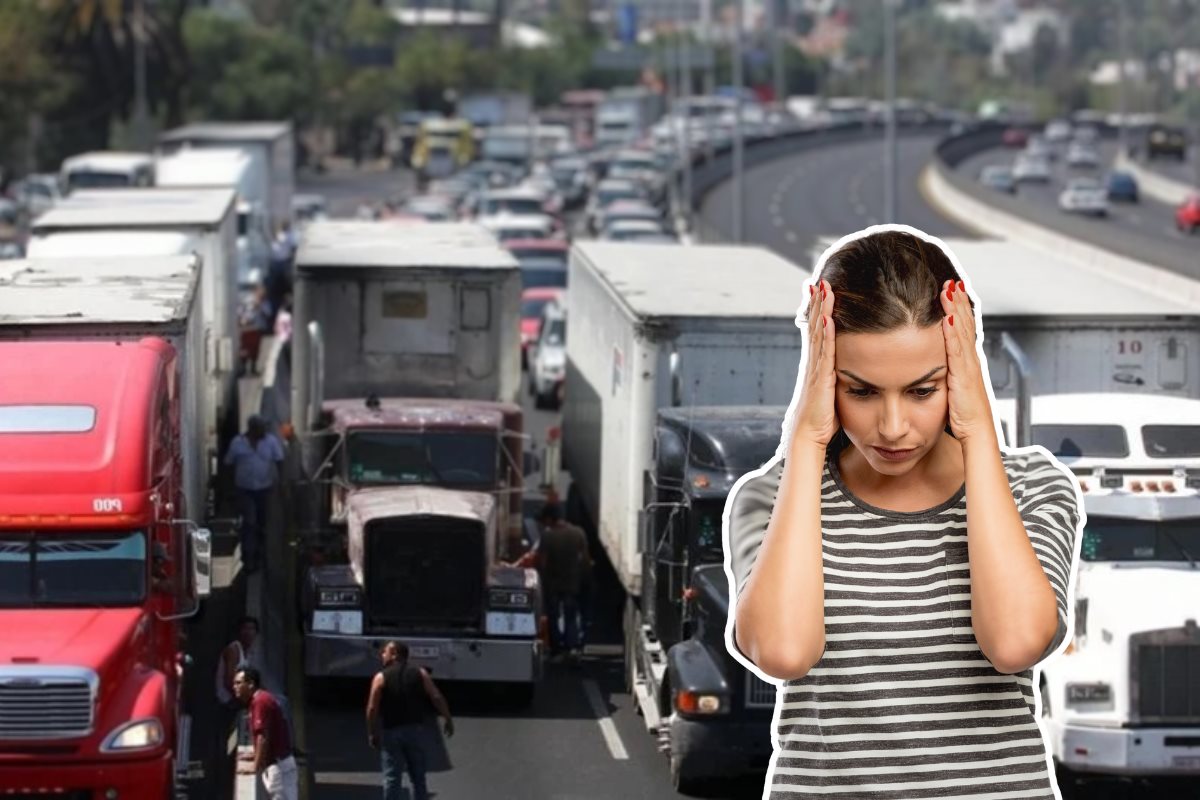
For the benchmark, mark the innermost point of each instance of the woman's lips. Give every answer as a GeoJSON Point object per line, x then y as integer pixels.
{"type": "Point", "coordinates": [895, 455]}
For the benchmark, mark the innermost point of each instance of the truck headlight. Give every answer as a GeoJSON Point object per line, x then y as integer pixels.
{"type": "Point", "coordinates": [509, 598]}
{"type": "Point", "coordinates": [345, 597]}
{"type": "Point", "coordinates": [140, 734]}
{"type": "Point", "coordinates": [1078, 693]}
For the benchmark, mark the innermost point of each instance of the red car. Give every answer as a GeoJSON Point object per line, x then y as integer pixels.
{"type": "Point", "coordinates": [533, 300]}
{"type": "Point", "coordinates": [543, 261]}
{"type": "Point", "coordinates": [1015, 137]}
{"type": "Point", "coordinates": [1187, 216]}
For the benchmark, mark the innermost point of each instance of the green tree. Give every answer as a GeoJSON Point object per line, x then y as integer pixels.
{"type": "Point", "coordinates": [29, 82]}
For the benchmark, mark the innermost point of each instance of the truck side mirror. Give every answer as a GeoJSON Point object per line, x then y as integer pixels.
{"type": "Point", "coordinates": [202, 563]}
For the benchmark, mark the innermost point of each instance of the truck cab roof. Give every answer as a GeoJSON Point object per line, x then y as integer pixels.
{"type": "Point", "coordinates": [69, 436]}
{"type": "Point", "coordinates": [230, 131]}
{"type": "Point", "coordinates": [418, 413]}
{"type": "Point", "coordinates": [336, 243]}
{"type": "Point", "coordinates": [138, 208]}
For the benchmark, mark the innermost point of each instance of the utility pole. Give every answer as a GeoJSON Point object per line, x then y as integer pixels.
{"type": "Point", "coordinates": [141, 130]}
{"type": "Point", "coordinates": [1122, 89]}
{"type": "Point", "coordinates": [739, 177]}
{"type": "Point", "coordinates": [891, 208]}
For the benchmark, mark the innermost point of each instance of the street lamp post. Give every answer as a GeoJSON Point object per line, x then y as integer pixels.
{"type": "Point", "coordinates": [738, 143]}
{"type": "Point", "coordinates": [890, 204]}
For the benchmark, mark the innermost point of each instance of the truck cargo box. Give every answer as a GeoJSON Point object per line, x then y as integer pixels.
{"type": "Point", "coordinates": [654, 326]}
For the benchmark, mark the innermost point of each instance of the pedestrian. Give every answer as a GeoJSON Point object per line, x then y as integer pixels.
{"type": "Point", "coordinates": [563, 559]}
{"type": "Point", "coordinates": [242, 652]}
{"type": "Point", "coordinates": [255, 457]}
{"type": "Point", "coordinates": [893, 532]}
{"type": "Point", "coordinates": [270, 734]}
{"type": "Point", "coordinates": [403, 697]}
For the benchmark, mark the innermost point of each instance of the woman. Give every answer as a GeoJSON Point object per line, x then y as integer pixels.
{"type": "Point", "coordinates": [897, 570]}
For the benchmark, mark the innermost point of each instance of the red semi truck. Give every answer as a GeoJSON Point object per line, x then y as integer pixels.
{"type": "Point", "coordinates": [99, 564]}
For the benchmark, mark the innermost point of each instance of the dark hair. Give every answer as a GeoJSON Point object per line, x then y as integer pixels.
{"type": "Point", "coordinates": [251, 675]}
{"type": "Point", "coordinates": [401, 649]}
{"type": "Point", "coordinates": [551, 512]}
{"type": "Point", "coordinates": [249, 620]}
{"type": "Point", "coordinates": [887, 280]}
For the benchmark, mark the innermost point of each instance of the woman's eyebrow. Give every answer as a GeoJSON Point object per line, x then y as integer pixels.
{"type": "Point", "coordinates": [868, 384]}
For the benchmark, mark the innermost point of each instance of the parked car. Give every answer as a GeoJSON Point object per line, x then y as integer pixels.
{"type": "Point", "coordinates": [998, 177]}
{"type": "Point", "coordinates": [1187, 216]}
{"type": "Point", "coordinates": [1084, 196]}
{"type": "Point", "coordinates": [1121, 185]}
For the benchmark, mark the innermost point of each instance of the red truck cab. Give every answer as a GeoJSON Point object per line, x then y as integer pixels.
{"type": "Point", "coordinates": [97, 569]}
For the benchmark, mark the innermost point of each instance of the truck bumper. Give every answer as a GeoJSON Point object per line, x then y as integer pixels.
{"type": "Point", "coordinates": [721, 748]}
{"type": "Point", "coordinates": [1141, 751]}
{"type": "Point", "coordinates": [130, 780]}
{"type": "Point", "coordinates": [503, 660]}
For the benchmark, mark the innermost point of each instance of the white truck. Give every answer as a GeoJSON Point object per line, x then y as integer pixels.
{"type": "Point", "coordinates": [1123, 700]}
{"type": "Point", "coordinates": [271, 148]}
{"type": "Point", "coordinates": [125, 298]}
{"type": "Point", "coordinates": [220, 168]}
{"type": "Point", "coordinates": [106, 170]}
{"type": "Point", "coordinates": [626, 115]}
{"type": "Point", "coordinates": [165, 222]}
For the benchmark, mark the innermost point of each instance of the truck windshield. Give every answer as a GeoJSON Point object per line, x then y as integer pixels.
{"type": "Point", "coordinates": [1171, 441]}
{"type": "Point", "coordinates": [1109, 539]}
{"type": "Point", "coordinates": [98, 180]}
{"type": "Point", "coordinates": [430, 458]}
{"type": "Point", "coordinates": [1082, 441]}
{"type": "Point", "coordinates": [66, 570]}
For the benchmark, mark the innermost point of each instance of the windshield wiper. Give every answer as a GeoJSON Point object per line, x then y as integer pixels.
{"type": "Point", "coordinates": [437, 476]}
{"type": "Point", "coordinates": [1179, 545]}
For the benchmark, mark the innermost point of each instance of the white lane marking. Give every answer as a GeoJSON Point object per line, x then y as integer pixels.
{"type": "Point", "coordinates": [607, 729]}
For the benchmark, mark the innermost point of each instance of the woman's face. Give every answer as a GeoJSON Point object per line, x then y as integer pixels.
{"type": "Point", "coordinates": [891, 394]}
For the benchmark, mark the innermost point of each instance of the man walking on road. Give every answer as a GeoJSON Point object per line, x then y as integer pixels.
{"type": "Point", "coordinates": [401, 700]}
{"type": "Point", "coordinates": [273, 758]}
{"type": "Point", "coordinates": [255, 457]}
{"type": "Point", "coordinates": [564, 562]}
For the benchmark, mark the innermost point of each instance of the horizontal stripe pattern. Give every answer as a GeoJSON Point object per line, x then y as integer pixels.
{"type": "Point", "coordinates": [904, 705]}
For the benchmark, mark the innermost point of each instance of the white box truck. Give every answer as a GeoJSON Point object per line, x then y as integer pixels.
{"type": "Point", "coordinates": [656, 326]}
{"type": "Point", "coordinates": [1123, 700]}
{"type": "Point", "coordinates": [270, 146]}
{"type": "Point", "coordinates": [131, 222]}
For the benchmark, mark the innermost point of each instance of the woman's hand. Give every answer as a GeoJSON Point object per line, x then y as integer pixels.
{"type": "Point", "coordinates": [970, 411]}
{"type": "Point", "coordinates": [816, 419]}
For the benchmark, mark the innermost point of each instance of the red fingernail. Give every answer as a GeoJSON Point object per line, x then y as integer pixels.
{"type": "Point", "coordinates": [811, 291]}
{"type": "Point", "coordinates": [951, 320]}
{"type": "Point", "coordinates": [950, 292]}
{"type": "Point", "coordinates": [962, 287]}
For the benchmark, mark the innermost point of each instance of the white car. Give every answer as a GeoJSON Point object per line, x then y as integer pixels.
{"type": "Point", "coordinates": [1031, 169]}
{"type": "Point", "coordinates": [507, 227]}
{"type": "Point", "coordinates": [634, 230]}
{"type": "Point", "coordinates": [38, 193]}
{"type": "Point", "coordinates": [1084, 196]}
{"type": "Point", "coordinates": [1058, 130]}
{"type": "Point", "coordinates": [548, 357]}
{"type": "Point", "coordinates": [1080, 154]}
{"type": "Point", "coordinates": [607, 192]}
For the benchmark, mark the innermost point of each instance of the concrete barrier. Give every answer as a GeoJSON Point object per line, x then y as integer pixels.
{"type": "Point", "coordinates": [1150, 183]}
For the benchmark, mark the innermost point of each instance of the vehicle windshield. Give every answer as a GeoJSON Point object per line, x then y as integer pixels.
{"type": "Point", "coordinates": [540, 258]}
{"type": "Point", "coordinates": [706, 530]}
{"type": "Point", "coordinates": [91, 179]}
{"type": "Point", "coordinates": [71, 570]}
{"type": "Point", "coordinates": [510, 205]}
{"type": "Point", "coordinates": [556, 332]}
{"type": "Point", "coordinates": [1111, 539]}
{"type": "Point", "coordinates": [429, 458]}
{"type": "Point", "coordinates": [551, 275]}
{"type": "Point", "coordinates": [1171, 441]}
{"type": "Point", "coordinates": [1082, 441]}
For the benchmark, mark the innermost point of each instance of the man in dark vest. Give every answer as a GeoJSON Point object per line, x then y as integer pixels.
{"type": "Point", "coordinates": [402, 698]}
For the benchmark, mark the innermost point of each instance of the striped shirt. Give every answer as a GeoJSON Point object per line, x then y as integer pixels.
{"type": "Point", "coordinates": [903, 704]}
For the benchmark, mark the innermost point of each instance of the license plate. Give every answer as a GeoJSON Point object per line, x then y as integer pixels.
{"type": "Point", "coordinates": [423, 651]}
{"type": "Point", "coordinates": [1186, 762]}
{"type": "Point", "coordinates": [505, 623]}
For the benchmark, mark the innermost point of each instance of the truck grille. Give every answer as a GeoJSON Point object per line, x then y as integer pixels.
{"type": "Point", "coordinates": [759, 693]}
{"type": "Point", "coordinates": [425, 573]}
{"type": "Point", "coordinates": [46, 703]}
{"type": "Point", "coordinates": [1165, 676]}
